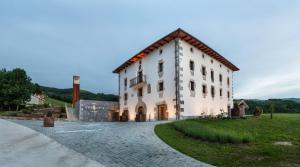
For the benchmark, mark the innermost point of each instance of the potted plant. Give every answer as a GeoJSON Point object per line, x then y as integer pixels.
{"type": "Point", "coordinates": [49, 120]}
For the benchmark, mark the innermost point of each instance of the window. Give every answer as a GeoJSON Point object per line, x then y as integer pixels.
{"type": "Point", "coordinates": [204, 89]}
{"type": "Point", "coordinates": [160, 67]}
{"type": "Point", "coordinates": [221, 92]}
{"type": "Point", "coordinates": [212, 61]}
{"type": "Point", "coordinates": [140, 92]}
{"type": "Point", "coordinates": [212, 76]}
{"type": "Point", "coordinates": [228, 81]}
{"type": "Point", "coordinates": [203, 69]}
{"type": "Point", "coordinates": [160, 51]}
{"type": "Point", "coordinates": [220, 65]}
{"type": "Point", "coordinates": [149, 88]}
{"type": "Point", "coordinates": [192, 85]}
{"type": "Point", "coordinates": [212, 91]}
{"type": "Point", "coordinates": [228, 94]}
{"type": "Point", "coordinates": [125, 71]}
{"type": "Point", "coordinates": [125, 96]}
{"type": "Point", "coordinates": [192, 65]}
{"type": "Point", "coordinates": [140, 65]}
{"type": "Point", "coordinates": [192, 50]}
{"type": "Point", "coordinates": [203, 56]}
{"type": "Point", "coordinates": [160, 86]}
{"type": "Point", "coordinates": [220, 78]}
{"type": "Point", "coordinates": [125, 82]}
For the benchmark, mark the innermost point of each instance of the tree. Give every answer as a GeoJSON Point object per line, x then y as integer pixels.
{"type": "Point", "coordinates": [271, 107]}
{"type": "Point", "coordinates": [15, 88]}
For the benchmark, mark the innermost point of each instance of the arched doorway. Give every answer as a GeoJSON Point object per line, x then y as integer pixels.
{"type": "Point", "coordinates": [125, 116]}
{"type": "Point", "coordinates": [140, 115]}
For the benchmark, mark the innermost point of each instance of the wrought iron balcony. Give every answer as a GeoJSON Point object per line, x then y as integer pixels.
{"type": "Point", "coordinates": [138, 82]}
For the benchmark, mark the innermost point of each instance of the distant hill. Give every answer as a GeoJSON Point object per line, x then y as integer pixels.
{"type": "Point", "coordinates": [280, 105]}
{"type": "Point", "coordinates": [66, 94]}
{"type": "Point", "coordinates": [294, 99]}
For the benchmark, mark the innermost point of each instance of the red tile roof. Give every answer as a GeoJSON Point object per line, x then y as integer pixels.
{"type": "Point", "coordinates": [179, 33]}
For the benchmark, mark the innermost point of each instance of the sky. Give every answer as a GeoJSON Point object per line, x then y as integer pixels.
{"type": "Point", "coordinates": [55, 39]}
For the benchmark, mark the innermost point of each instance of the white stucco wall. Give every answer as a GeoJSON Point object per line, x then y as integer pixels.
{"type": "Point", "coordinates": [150, 69]}
{"type": "Point", "coordinates": [194, 106]}
{"type": "Point", "coordinates": [190, 105]}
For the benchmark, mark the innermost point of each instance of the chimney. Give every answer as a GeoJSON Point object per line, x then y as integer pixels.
{"type": "Point", "coordinates": [76, 89]}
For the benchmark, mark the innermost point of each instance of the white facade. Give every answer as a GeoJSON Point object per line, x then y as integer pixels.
{"type": "Point", "coordinates": [196, 103]}
{"type": "Point", "coordinates": [149, 66]}
{"type": "Point", "coordinates": [192, 103]}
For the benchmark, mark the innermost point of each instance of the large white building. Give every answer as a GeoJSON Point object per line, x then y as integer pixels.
{"type": "Point", "coordinates": [176, 77]}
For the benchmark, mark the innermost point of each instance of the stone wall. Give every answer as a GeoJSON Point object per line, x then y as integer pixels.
{"type": "Point", "coordinates": [96, 111]}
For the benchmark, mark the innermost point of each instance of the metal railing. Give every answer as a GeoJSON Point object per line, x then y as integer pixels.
{"type": "Point", "coordinates": [136, 80]}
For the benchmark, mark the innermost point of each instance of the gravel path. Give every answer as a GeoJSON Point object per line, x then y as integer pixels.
{"type": "Point", "coordinates": [115, 143]}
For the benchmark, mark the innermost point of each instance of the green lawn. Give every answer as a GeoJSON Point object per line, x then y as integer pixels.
{"type": "Point", "coordinates": [260, 151]}
{"type": "Point", "coordinates": [55, 102]}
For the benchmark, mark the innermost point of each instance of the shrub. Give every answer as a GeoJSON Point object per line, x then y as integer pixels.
{"type": "Point", "coordinates": [10, 113]}
{"type": "Point", "coordinates": [198, 131]}
{"type": "Point", "coordinates": [25, 111]}
{"type": "Point", "coordinates": [258, 111]}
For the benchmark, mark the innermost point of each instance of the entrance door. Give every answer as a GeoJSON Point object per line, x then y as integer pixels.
{"type": "Point", "coordinates": [124, 116]}
{"type": "Point", "coordinates": [162, 113]}
{"type": "Point", "coordinates": [140, 116]}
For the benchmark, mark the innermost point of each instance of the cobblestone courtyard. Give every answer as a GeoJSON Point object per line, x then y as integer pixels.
{"type": "Point", "coordinates": [115, 143]}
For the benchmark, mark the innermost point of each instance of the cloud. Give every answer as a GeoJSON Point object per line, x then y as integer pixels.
{"type": "Point", "coordinates": [270, 86]}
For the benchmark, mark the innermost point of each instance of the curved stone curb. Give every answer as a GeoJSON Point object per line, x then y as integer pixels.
{"type": "Point", "coordinates": [21, 146]}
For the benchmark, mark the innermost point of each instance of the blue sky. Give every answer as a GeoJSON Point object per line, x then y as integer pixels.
{"type": "Point", "coordinates": [54, 39]}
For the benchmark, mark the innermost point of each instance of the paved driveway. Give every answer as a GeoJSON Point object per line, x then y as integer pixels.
{"type": "Point", "coordinates": [115, 143]}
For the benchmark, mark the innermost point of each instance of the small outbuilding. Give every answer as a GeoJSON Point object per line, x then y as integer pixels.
{"type": "Point", "coordinates": [239, 107]}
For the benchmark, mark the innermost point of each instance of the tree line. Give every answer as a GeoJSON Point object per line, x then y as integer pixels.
{"type": "Point", "coordinates": [277, 105]}
{"type": "Point", "coordinates": [16, 89]}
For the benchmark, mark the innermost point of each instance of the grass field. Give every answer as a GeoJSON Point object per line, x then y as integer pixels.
{"type": "Point", "coordinates": [260, 151]}
{"type": "Point", "coordinates": [55, 102]}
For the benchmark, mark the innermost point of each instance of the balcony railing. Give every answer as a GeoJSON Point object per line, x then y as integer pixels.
{"type": "Point", "coordinates": [138, 81]}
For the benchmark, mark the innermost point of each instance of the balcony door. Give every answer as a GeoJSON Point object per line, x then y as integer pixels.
{"type": "Point", "coordinates": [140, 77]}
